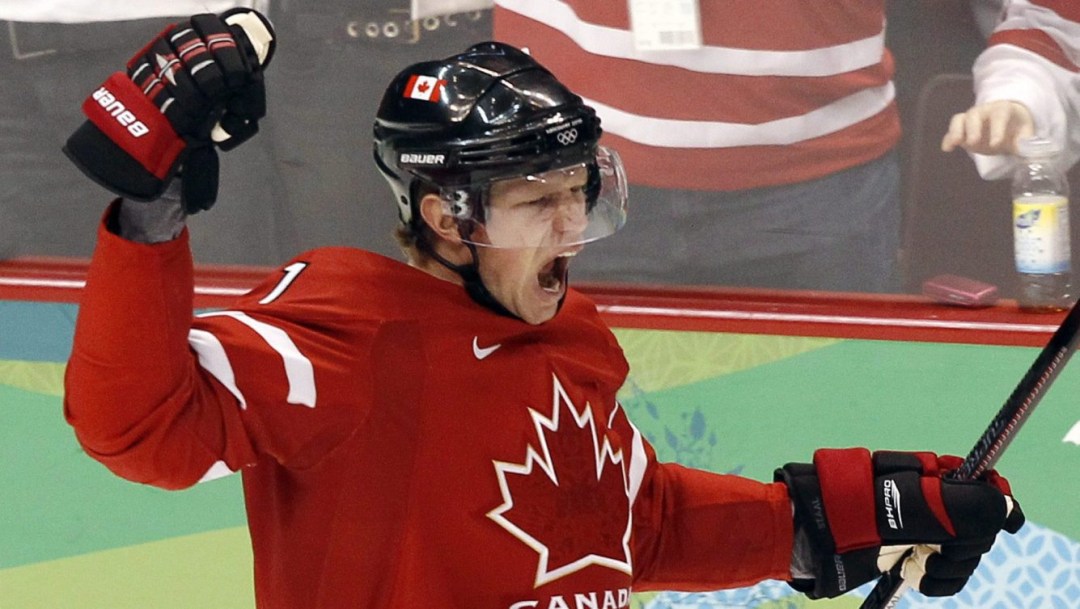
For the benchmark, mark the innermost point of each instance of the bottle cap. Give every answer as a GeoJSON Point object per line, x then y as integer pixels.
{"type": "Point", "coordinates": [1037, 147]}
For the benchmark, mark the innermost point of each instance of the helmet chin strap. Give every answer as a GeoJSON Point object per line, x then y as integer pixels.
{"type": "Point", "coordinates": [470, 275]}
{"type": "Point", "coordinates": [474, 285]}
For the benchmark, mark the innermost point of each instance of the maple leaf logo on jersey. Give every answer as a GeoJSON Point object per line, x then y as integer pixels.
{"type": "Point", "coordinates": [559, 501]}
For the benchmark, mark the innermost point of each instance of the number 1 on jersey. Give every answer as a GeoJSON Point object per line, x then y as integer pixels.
{"type": "Point", "coordinates": [291, 273]}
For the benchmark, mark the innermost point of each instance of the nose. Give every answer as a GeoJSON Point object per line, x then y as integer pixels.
{"type": "Point", "coordinates": [570, 218]}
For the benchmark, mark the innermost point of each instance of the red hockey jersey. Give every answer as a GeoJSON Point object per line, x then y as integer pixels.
{"type": "Point", "coordinates": [400, 445]}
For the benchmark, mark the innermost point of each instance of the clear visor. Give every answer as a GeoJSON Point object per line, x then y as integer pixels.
{"type": "Point", "coordinates": [550, 209]}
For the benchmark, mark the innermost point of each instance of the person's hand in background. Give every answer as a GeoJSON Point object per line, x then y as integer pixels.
{"type": "Point", "coordinates": [990, 128]}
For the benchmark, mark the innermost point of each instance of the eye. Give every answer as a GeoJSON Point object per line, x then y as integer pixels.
{"type": "Point", "coordinates": [545, 201]}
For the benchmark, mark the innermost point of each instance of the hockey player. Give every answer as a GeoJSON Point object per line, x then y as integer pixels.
{"type": "Point", "coordinates": [442, 433]}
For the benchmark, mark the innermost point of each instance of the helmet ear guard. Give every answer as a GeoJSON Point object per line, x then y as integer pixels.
{"type": "Point", "coordinates": [457, 203]}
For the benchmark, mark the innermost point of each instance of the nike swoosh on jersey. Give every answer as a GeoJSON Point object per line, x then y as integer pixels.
{"type": "Point", "coordinates": [481, 353]}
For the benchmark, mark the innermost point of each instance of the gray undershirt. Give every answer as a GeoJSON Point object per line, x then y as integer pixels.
{"type": "Point", "coordinates": [152, 221]}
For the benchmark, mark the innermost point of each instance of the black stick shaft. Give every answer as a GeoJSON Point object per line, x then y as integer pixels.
{"type": "Point", "coordinates": [1001, 431]}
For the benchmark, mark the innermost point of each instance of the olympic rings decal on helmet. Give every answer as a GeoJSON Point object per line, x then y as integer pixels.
{"type": "Point", "coordinates": [567, 136]}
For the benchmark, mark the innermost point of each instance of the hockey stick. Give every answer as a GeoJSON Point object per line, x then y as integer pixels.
{"type": "Point", "coordinates": [1002, 429]}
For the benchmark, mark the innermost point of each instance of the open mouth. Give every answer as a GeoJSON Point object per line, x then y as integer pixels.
{"type": "Point", "coordinates": [552, 278]}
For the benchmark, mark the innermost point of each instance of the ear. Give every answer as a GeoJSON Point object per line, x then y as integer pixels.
{"type": "Point", "coordinates": [436, 214]}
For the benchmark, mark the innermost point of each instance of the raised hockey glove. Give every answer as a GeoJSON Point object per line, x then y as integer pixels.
{"type": "Point", "coordinates": [197, 84]}
{"type": "Point", "coordinates": [857, 514]}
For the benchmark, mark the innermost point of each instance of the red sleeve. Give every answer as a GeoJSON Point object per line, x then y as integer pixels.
{"type": "Point", "coordinates": [696, 530]}
{"type": "Point", "coordinates": [165, 400]}
{"type": "Point", "coordinates": [297, 355]}
{"type": "Point", "coordinates": [132, 392]}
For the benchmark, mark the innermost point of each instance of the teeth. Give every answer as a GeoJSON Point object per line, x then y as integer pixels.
{"type": "Point", "coordinates": [567, 255]}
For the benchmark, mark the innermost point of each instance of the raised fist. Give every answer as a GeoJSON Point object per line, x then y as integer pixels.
{"type": "Point", "coordinates": [196, 85]}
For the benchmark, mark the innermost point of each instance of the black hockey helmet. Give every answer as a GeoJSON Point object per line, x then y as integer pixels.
{"type": "Point", "coordinates": [455, 125]}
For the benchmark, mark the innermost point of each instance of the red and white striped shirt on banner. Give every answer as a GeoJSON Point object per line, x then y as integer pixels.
{"type": "Point", "coordinates": [780, 92]}
{"type": "Point", "coordinates": [1034, 58]}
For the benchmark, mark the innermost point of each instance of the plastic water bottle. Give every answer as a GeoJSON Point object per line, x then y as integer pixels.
{"type": "Point", "coordinates": [1041, 228]}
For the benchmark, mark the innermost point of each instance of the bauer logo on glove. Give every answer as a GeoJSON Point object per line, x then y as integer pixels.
{"type": "Point", "coordinates": [119, 111]}
{"type": "Point", "coordinates": [196, 86]}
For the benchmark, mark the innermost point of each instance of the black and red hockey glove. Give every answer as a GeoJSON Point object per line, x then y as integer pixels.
{"type": "Point", "coordinates": [196, 85]}
{"type": "Point", "coordinates": [857, 514]}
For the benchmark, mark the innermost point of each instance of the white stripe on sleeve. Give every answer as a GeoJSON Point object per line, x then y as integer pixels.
{"type": "Point", "coordinates": [213, 359]}
{"type": "Point", "coordinates": [298, 368]}
{"type": "Point", "coordinates": [637, 465]}
{"type": "Point", "coordinates": [217, 470]}
{"type": "Point", "coordinates": [637, 461]}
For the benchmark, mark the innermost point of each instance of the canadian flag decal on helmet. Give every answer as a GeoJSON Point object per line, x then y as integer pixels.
{"type": "Point", "coordinates": [423, 87]}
